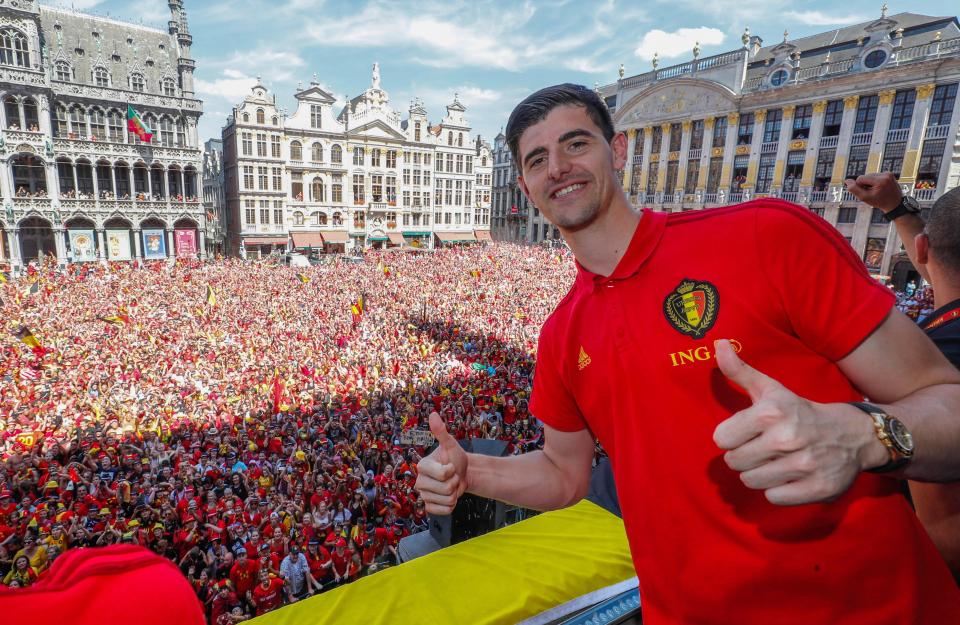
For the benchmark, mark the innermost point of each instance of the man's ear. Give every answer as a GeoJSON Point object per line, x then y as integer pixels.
{"type": "Point", "coordinates": [619, 147]}
{"type": "Point", "coordinates": [922, 243]}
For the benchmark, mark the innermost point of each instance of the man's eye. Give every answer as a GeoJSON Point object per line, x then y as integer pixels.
{"type": "Point", "coordinates": [577, 145]}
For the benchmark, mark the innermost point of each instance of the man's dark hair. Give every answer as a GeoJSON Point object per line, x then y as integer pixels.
{"type": "Point", "coordinates": [943, 230]}
{"type": "Point", "coordinates": [537, 106]}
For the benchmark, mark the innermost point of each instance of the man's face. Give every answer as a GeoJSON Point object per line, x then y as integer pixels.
{"type": "Point", "coordinates": [568, 168]}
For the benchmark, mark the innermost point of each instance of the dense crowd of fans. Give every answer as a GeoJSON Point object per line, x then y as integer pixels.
{"type": "Point", "coordinates": [257, 433]}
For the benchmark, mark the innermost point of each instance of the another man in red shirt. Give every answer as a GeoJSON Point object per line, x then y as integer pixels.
{"type": "Point", "coordinates": [268, 594]}
{"type": "Point", "coordinates": [767, 507]}
{"type": "Point", "coordinates": [243, 574]}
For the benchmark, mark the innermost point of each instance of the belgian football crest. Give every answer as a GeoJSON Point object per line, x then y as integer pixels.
{"type": "Point", "coordinates": [691, 308]}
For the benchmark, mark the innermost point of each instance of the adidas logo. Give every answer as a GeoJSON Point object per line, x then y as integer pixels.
{"type": "Point", "coordinates": [584, 359]}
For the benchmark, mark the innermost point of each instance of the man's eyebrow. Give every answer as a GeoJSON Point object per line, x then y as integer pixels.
{"type": "Point", "coordinates": [579, 132]}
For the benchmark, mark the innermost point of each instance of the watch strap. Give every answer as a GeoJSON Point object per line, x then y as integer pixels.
{"type": "Point", "coordinates": [901, 210]}
{"type": "Point", "coordinates": [879, 417]}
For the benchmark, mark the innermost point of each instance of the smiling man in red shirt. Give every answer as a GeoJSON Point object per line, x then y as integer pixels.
{"type": "Point", "coordinates": [748, 491]}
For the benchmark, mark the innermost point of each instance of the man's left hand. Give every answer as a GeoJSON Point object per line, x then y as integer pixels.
{"type": "Point", "coordinates": [795, 450]}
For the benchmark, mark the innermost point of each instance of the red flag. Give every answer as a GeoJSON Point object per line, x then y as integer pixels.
{"type": "Point", "coordinates": [74, 476]}
{"type": "Point", "coordinates": [277, 393]}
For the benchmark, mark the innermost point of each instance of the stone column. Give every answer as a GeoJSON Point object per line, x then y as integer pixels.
{"type": "Point", "coordinates": [628, 167]}
{"type": "Point", "coordinates": [96, 185]}
{"type": "Point", "coordinates": [76, 185]}
{"type": "Point", "coordinates": [183, 186]}
{"type": "Point", "coordinates": [843, 143]}
{"type": "Point", "coordinates": [16, 260]}
{"type": "Point", "coordinates": [133, 190]}
{"type": "Point", "coordinates": [60, 244]}
{"type": "Point", "coordinates": [921, 113]}
{"type": "Point", "coordinates": [137, 244]}
{"type": "Point", "coordinates": [22, 120]}
{"type": "Point", "coordinates": [149, 193]}
{"type": "Point", "coordinates": [166, 184]}
{"type": "Point", "coordinates": [101, 244]}
{"type": "Point", "coordinates": [813, 144]}
{"type": "Point", "coordinates": [171, 253]}
{"type": "Point", "coordinates": [202, 245]}
{"type": "Point", "coordinates": [880, 127]}
{"type": "Point", "coordinates": [783, 146]}
{"type": "Point", "coordinates": [43, 110]}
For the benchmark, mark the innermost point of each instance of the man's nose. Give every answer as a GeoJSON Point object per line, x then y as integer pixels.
{"type": "Point", "coordinates": [558, 165]}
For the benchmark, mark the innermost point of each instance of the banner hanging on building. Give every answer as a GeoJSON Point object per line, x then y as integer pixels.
{"type": "Point", "coordinates": [82, 245]}
{"type": "Point", "coordinates": [118, 244]}
{"type": "Point", "coordinates": [154, 244]}
{"type": "Point", "coordinates": [186, 242]}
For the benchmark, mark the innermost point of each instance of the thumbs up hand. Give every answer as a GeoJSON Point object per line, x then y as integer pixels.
{"type": "Point", "coordinates": [442, 475]}
{"type": "Point", "coordinates": [795, 450]}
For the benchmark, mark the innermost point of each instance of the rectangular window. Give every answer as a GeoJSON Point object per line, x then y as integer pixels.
{"type": "Point", "coordinates": [416, 177]}
{"type": "Point", "coordinates": [296, 186]}
{"type": "Point", "coordinates": [693, 173]}
{"type": "Point", "coordinates": [802, 115]}
{"type": "Point", "coordinates": [459, 163]}
{"type": "Point", "coordinates": [392, 189]}
{"type": "Point", "coordinates": [261, 144]}
{"type": "Point", "coordinates": [406, 176]}
{"type": "Point", "coordinates": [248, 176]}
{"type": "Point", "coordinates": [941, 107]}
{"type": "Point", "coordinates": [745, 129]}
{"type": "Point", "coordinates": [676, 137]}
{"type": "Point", "coordinates": [406, 198]}
{"type": "Point", "coordinates": [713, 175]}
{"type": "Point", "coordinates": [449, 163]}
{"type": "Point", "coordinates": [866, 114]}
{"type": "Point", "coordinates": [277, 216]}
{"type": "Point", "coordinates": [832, 118]}
{"type": "Point", "coordinates": [469, 164]}
{"type": "Point", "coordinates": [824, 171]}
{"type": "Point", "coordinates": [336, 193]}
{"type": "Point", "coordinates": [251, 216]}
{"type": "Point", "coordinates": [275, 147]}
{"type": "Point", "coordinates": [359, 196]}
{"type": "Point", "coordinates": [739, 176]}
{"type": "Point", "coordinates": [375, 157]}
{"type": "Point", "coordinates": [873, 253]}
{"type": "Point", "coordinates": [857, 164]}
{"type": "Point", "coordinates": [719, 132]}
{"type": "Point", "coordinates": [392, 159]}
{"type": "Point", "coordinates": [262, 178]}
{"type": "Point", "coordinates": [771, 126]}
{"type": "Point", "coordinates": [656, 140]}
{"type": "Point", "coordinates": [671, 182]}
{"type": "Point", "coordinates": [277, 179]}
{"type": "Point", "coordinates": [893, 158]}
{"type": "Point", "coordinates": [765, 172]}
{"type": "Point", "coordinates": [265, 216]}
{"type": "Point", "coordinates": [794, 171]}
{"type": "Point", "coordinates": [416, 158]}
{"type": "Point", "coordinates": [652, 174]}
{"type": "Point", "coordinates": [848, 215]}
{"type": "Point", "coordinates": [358, 156]}
{"type": "Point", "coordinates": [902, 114]}
{"type": "Point", "coordinates": [876, 217]}
{"type": "Point", "coordinates": [247, 143]}
{"type": "Point", "coordinates": [316, 114]}
{"type": "Point", "coordinates": [376, 184]}
{"type": "Point", "coordinates": [696, 135]}
{"type": "Point", "coordinates": [931, 158]}
{"type": "Point", "coordinates": [426, 159]}
{"type": "Point", "coordinates": [426, 177]}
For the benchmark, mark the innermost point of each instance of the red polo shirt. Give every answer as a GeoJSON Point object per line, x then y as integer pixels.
{"type": "Point", "coordinates": [795, 298]}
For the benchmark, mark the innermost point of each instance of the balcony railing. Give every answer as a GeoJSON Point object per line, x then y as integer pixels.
{"type": "Point", "coordinates": [818, 196]}
{"type": "Point", "coordinates": [846, 196]}
{"type": "Point", "coordinates": [694, 155]}
{"type": "Point", "coordinates": [790, 196]}
{"type": "Point", "coordinates": [637, 159]}
{"type": "Point", "coordinates": [861, 138]}
{"type": "Point", "coordinates": [937, 132]}
{"type": "Point", "coordinates": [829, 142]}
{"type": "Point", "coordinates": [925, 195]}
{"type": "Point", "coordinates": [710, 198]}
{"type": "Point", "coordinates": [735, 198]}
{"type": "Point", "coordinates": [898, 136]}
{"type": "Point", "coordinates": [769, 147]}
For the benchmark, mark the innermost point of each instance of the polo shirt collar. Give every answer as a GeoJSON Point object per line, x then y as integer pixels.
{"type": "Point", "coordinates": [646, 236]}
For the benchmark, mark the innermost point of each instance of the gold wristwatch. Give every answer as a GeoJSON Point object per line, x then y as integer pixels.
{"type": "Point", "coordinates": [893, 434]}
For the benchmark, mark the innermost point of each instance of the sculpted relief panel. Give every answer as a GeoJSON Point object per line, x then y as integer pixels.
{"type": "Point", "coordinates": [677, 101]}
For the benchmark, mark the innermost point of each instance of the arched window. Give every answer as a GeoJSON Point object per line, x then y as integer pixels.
{"type": "Point", "coordinates": [298, 218]}
{"type": "Point", "coordinates": [13, 48]}
{"type": "Point", "coordinates": [101, 77]}
{"type": "Point", "coordinates": [261, 117]}
{"type": "Point", "coordinates": [337, 219]}
{"type": "Point", "coordinates": [483, 161]}
{"type": "Point", "coordinates": [78, 122]}
{"type": "Point", "coordinates": [62, 69]}
{"type": "Point", "coordinates": [11, 109]}
{"type": "Point", "coordinates": [150, 121]}
{"type": "Point", "coordinates": [181, 132]}
{"type": "Point", "coordinates": [296, 151]}
{"type": "Point", "coordinates": [449, 137]}
{"type": "Point", "coordinates": [246, 117]}
{"type": "Point", "coordinates": [317, 153]}
{"type": "Point", "coordinates": [460, 140]}
{"type": "Point", "coordinates": [168, 87]}
{"type": "Point", "coordinates": [115, 126]}
{"type": "Point", "coordinates": [318, 191]}
{"type": "Point", "coordinates": [29, 174]}
{"type": "Point", "coordinates": [166, 131]}
{"type": "Point", "coordinates": [60, 124]}
{"type": "Point", "coordinates": [98, 124]}
{"type": "Point", "coordinates": [136, 82]}
{"type": "Point", "coordinates": [336, 154]}
{"type": "Point", "coordinates": [319, 219]}
{"type": "Point", "coordinates": [273, 120]}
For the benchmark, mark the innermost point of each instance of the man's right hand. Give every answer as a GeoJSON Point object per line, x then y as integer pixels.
{"type": "Point", "coordinates": [442, 475]}
{"type": "Point", "coordinates": [878, 190]}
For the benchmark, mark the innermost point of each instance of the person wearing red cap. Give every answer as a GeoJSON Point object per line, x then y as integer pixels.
{"type": "Point", "coordinates": [243, 575]}
{"type": "Point", "coordinates": [341, 557]}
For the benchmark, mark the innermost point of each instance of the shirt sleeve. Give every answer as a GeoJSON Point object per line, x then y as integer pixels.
{"type": "Point", "coordinates": [551, 401]}
{"type": "Point", "coordinates": [829, 298]}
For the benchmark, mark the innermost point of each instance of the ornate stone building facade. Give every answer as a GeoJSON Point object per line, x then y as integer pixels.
{"type": "Point", "coordinates": [214, 203]}
{"type": "Point", "coordinates": [335, 181]}
{"type": "Point", "coordinates": [795, 119]}
{"type": "Point", "coordinates": [76, 184]}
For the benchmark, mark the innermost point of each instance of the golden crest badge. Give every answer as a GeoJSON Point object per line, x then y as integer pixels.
{"type": "Point", "coordinates": [692, 307]}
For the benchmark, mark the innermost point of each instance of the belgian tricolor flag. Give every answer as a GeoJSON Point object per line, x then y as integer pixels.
{"type": "Point", "coordinates": [211, 297]}
{"type": "Point", "coordinates": [27, 337]}
{"type": "Point", "coordinates": [303, 278]}
{"type": "Point", "coordinates": [118, 320]}
{"type": "Point", "coordinates": [4, 277]}
{"type": "Point", "coordinates": [357, 310]}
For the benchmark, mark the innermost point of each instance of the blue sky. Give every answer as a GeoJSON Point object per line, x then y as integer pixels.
{"type": "Point", "coordinates": [492, 52]}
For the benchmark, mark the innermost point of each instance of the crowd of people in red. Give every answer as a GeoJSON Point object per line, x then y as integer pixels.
{"type": "Point", "coordinates": [257, 433]}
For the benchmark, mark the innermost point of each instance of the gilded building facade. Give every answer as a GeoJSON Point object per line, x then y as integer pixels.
{"type": "Point", "coordinates": [343, 178]}
{"type": "Point", "coordinates": [795, 119]}
{"type": "Point", "coordinates": [76, 185]}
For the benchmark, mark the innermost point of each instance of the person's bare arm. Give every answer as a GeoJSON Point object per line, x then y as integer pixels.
{"type": "Point", "coordinates": [882, 191]}
{"type": "Point", "coordinates": [555, 477]}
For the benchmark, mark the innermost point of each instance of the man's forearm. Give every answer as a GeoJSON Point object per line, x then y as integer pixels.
{"type": "Point", "coordinates": [529, 480]}
{"type": "Point", "coordinates": [931, 416]}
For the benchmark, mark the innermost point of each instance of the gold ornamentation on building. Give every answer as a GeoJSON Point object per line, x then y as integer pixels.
{"type": "Point", "coordinates": [733, 118]}
{"type": "Point", "coordinates": [925, 91]}
{"type": "Point", "coordinates": [820, 106]}
{"type": "Point", "coordinates": [743, 149]}
{"type": "Point", "coordinates": [647, 131]}
{"type": "Point", "coordinates": [673, 156]}
{"type": "Point", "coordinates": [686, 125]}
{"type": "Point", "coordinates": [665, 128]}
{"type": "Point", "coordinates": [708, 122]}
{"type": "Point", "coordinates": [631, 133]}
{"type": "Point", "coordinates": [760, 116]}
{"type": "Point", "coordinates": [851, 101]}
{"type": "Point", "coordinates": [799, 144]}
{"type": "Point", "coordinates": [788, 111]}
{"type": "Point", "coordinates": [887, 96]}
{"type": "Point", "coordinates": [717, 152]}
{"type": "Point", "coordinates": [654, 158]}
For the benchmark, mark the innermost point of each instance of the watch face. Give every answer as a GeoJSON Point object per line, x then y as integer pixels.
{"type": "Point", "coordinates": [901, 436]}
{"type": "Point", "coordinates": [911, 204]}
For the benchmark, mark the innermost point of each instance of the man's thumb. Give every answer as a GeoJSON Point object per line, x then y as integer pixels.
{"type": "Point", "coordinates": [739, 372]}
{"type": "Point", "coordinates": [439, 429]}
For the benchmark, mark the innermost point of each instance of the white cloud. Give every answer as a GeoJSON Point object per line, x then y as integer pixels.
{"type": "Point", "coordinates": [234, 87]}
{"type": "Point", "coordinates": [817, 18]}
{"type": "Point", "coordinates": [677, 43]}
